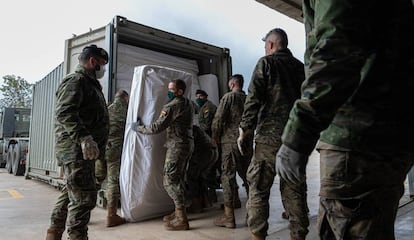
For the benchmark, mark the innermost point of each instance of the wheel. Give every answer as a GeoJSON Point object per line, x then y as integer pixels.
{"type": "Point", "coordinates": [9, 159]}
{"type": "Point", "coordinates": [18, 169]}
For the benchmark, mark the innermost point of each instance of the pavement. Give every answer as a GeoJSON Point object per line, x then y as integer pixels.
{"type": "Point", "coordinates": [25, 207]}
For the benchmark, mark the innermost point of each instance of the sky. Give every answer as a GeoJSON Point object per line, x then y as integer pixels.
{"type": "Point", "coordinates": [33, 33]}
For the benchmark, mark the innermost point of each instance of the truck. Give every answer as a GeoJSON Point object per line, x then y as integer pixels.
{"type": "Point", "coordinates": [14, 139]}
{"type": "Point", "coordinates": [129, 44]}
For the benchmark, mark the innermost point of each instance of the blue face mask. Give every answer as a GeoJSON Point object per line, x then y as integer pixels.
{"type": "Point", "coordinates": [200, 101]}
{"type": "Point", "coordinates": [171, 95]}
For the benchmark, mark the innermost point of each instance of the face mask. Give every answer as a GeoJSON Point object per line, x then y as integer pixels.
{"type": "Point", "coordinates": [171, 95]}
{"type": "Point", "coordinates": [199, 101]}
{"type": "Point", "coordinates": [99, 71]}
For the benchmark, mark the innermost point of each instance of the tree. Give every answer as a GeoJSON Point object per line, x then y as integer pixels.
{"type": "Point", "coordinates": [16, 92]}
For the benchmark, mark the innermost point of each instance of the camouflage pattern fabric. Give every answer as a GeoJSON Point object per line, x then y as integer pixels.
{"type": "Point", "coordinates": [225, 126]}
{"type": "Point", "coordinates": [60, 210]}
{"type": "Point", "coordinates": [260, 177]}
{"type": "Point", "coordinates": [358, 76]}
{"type": "Point", "coordinates": [177, 117]}
{"type": "Point", "coordinates": [206, 115]}
{"type": "Point", "coordinates": [202, 160]}
{"type": "Point", "coordinates": [225, 129]}
{"type": "Point", "coordinates": [360, 193]}
{"type": "Point", "coordinates": [117, 117]}
{"type": "Point", "coordinates": [274, 87]}
{"type": "Point", "coordinates": [80, 111]}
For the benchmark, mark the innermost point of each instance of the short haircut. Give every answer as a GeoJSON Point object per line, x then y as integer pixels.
{"type": "Point", "coordinates": [179, 84]}
{"type": "Point", "coordinates": [281, 36]}
{"type": "Point", "coordinates": [121, 94]}
{"type": "Point", "coordinates": [93, 51]}
{"type": "Point", "coordinates": [238, 79]}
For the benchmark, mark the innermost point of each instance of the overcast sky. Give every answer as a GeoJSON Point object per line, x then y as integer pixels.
{"type": "Point", "coordinates": [33, 32]}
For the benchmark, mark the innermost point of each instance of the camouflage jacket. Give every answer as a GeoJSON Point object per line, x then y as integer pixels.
{"type": "Point", "coordinates": [117, 118]}
{"type": "Point", "coordinates": [225, 127]}
{"type": "Point", "coordinates": [80, 111]}
{"type": "Point", "coordinates": [177, 117]}
{"type": "Point", "coordinates": [359, 84]}
{"type": "Point", "coordinates": [274, 87]}
{"type": "Point", "coordinates": [206, 115]}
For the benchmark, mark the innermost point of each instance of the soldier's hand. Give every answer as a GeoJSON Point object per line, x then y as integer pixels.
{"type": "Point", "coordinates": [291, 165]}
{"type": "Point", "coordinates": [136, 124]}
{"type": "Point", "coordinates": [90, 148]}
{"type": "Point", "coordinates": [242, 142]}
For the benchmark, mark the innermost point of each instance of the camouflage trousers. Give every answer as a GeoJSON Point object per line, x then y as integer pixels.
{"type": "Point", "coordinates": [231, 162]}
{"type": "Point", "coordinates": [175, 166]}
{"type": "Point", "coordinates": [360, 193]}
{"type": "Point", "coordinates": [113, 165]}
{"type": "Point", "coordinates": [260, 176]}
{"type": "Point", "coordinates": [198, 171]}
{"type": "Point", "coordinates": [76, 200]}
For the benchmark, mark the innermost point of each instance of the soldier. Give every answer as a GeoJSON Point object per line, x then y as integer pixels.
{"type": "Point", "coordinates": [177, 117]}
{"type": "Point", "coordinates": [82, 125]}
{"type": "Point", "coordinates": [274, 87]}
{"type": "Point", "coordinates": [225, 132]}
{"type": "Point", "coordinates": [111, 166]}
{"type": "Point", "coordinates": [206, 111]}
{"type": "Point", "coordinates": [202, 160]}
{"type": "Point", "coordinates": [359, 73]}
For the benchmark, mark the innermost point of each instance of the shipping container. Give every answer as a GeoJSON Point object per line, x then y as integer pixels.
{"type": "Point", "coordinates": [129, 44]}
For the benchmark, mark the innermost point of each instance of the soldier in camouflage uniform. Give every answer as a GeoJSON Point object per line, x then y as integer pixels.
{"type": "Point", "coordinates": [225, 132]}
{"type": "Point", "coordinates": [206, 111]}
{"type": "Point", "coordinates": [117, 117]}
{"type": "Point", "coordinates": [177, 117]}
{"type": "Point", "coordinates": [82, 125]}
{"type": "Point", "coordinates": [274, 87]}
{"type": "Point", "coordinates": [359, 66]}
{"type": "Point", "coordinates": [202, 160]}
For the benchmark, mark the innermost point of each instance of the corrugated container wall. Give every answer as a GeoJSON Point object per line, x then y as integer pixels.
{"type": "Point", "coordinates": [42, 163]}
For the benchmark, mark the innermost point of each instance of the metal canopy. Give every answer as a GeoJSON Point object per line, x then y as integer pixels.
{"type": "Point", "coordinates": [290, 8]}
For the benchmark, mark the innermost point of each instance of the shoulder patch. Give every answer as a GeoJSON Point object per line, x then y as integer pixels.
{"type": "Point", "coordinates": [164, 113]}
{"type": "Point", "coordinates": [206, 111]}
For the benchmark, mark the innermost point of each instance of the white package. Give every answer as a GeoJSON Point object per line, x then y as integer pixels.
{"type": "Point", "coordinates": [141, 176]}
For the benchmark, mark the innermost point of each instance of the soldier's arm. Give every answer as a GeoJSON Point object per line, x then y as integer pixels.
{"type": "Point", "coordinates": [68, 100]}
{"type": "Point", "coordinates": [333, 74]}
{"type": "Point", "coordinates": [220, 118]}
{"type": "Point", "coordinates": [255, 97]}
{"type": "Point", "coordinates": [162, 123]}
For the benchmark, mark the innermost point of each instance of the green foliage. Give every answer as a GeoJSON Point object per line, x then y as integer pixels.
{"type": "Point", "coordinates": [16, 92]}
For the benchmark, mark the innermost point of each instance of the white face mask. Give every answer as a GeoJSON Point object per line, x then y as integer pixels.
{"type": "Point", "coordinates": [99, 72]}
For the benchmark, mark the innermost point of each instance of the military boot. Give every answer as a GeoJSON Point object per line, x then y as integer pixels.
{"type": "Point", "coordinates": [113, 219]}
{"type": "Point", "coordinates": [168, 217]}
{"type": "Point", "coordinates": [179, 222]}
{"type": "Point", "coordinates": [257, 236]}
{"type": "Point", "coordinates": [54, 233]}
{"type": "Point", "coordinates": [227, 219]}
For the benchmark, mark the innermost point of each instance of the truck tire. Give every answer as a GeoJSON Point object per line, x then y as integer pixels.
{"type": "Point", "coordinates": [9, 159]}
{"type": "Point", "coordinates": [18, 169]}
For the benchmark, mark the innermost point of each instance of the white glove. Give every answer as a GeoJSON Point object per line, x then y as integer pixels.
{"type": "Point", "coordinates": [242, 142]}
{"type": "Point", "coordinates": [135, 125]}
{"type": "Point", "coordinates": [90, 148]}
{"type": "Point", "coordinates": [291, 165]}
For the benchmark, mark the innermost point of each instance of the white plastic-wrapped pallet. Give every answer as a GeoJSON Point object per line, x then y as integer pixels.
{"type": "Point", "coordinates": [141, 178]}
